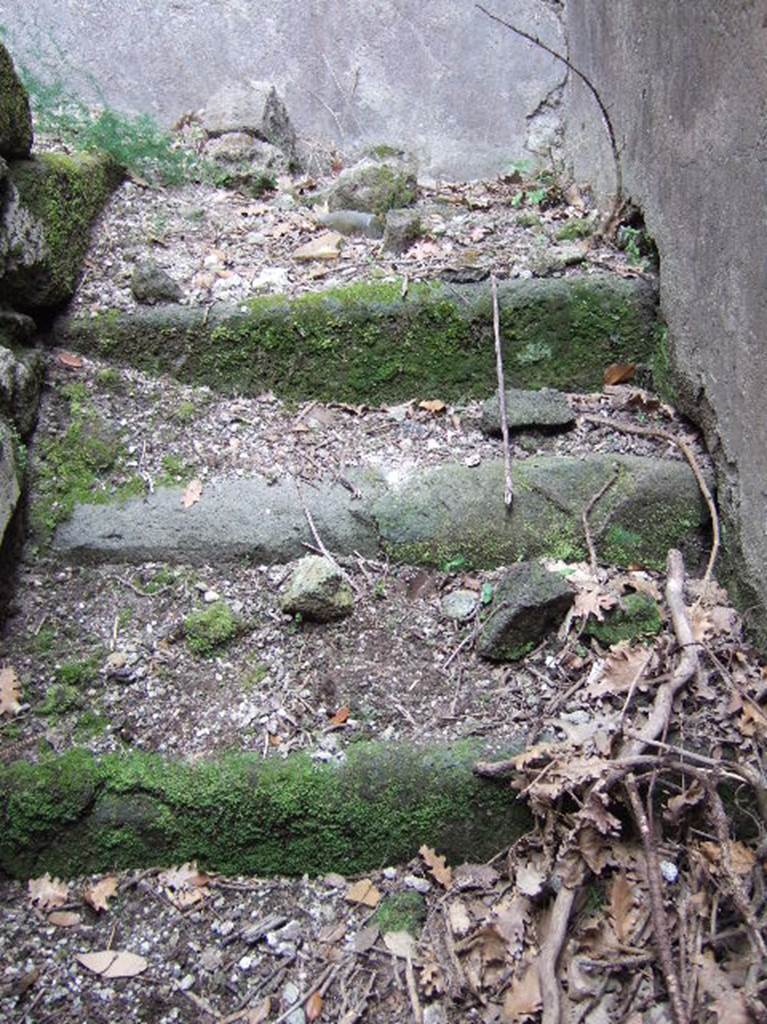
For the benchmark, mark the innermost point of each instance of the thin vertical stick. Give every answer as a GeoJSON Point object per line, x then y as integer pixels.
{"type": "Point", "coordinates": [508, 494]}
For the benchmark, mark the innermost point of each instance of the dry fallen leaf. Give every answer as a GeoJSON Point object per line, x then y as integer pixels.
{"type": "Point", "coordinates": [622, 907]}
{"type": "Point", "coordinates": [365, 938]}
{"type": "Point", "coordinates": [523, 999]}
{"type": "Point", "coordinates": [623, 667]}
{"type": "Point", "coordinates": [618, 373]}
{"type": "Point", "coordinates": [592, 601]}
{"type": "Point", "coordinates": [313, 1007]}
{"type": "Point", "coordinates": [99, 894]}
{"type": "Point", "coordinates": [69, 360]}
{"type": "Point", "coordinates": [340, 717]}
{"type": "Point", "coordinates": [48, 892]}
{"type": "Point", "coordinates": [432, 405]}
{"type": "Point", "coordinates": [113, 963]}
{"type": "Point", "coordinates": [458, 915]}
{"type": "Point", "coordinates": [10, 691]}
{"type": "Point", "coordinates": [530, 879]}
{"type": "Point", "coordinates": [742, 858]}
{"type": "Point", "coordinates": [401, 944]}
{"type": "Point", "coordinates": [64, 918]}
{"type": "Point", "coordinates": [436, 864]}
{"type": "Point", "coordinates": [183, 877]}
{"type": "Point", "coordinates": [192, 493]}
{"type": "Point", "coordinates": [363, 892]}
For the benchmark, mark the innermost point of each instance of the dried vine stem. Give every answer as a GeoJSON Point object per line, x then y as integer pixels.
{"type": "Point", "coordinates": [664, 435]}
{"type": "Point", "coordinates": [508, 494]}
{"type": "Point", "coordinates": [658, 911]}
{"type": "Point", "coordinates": [587, 512]}
{"type": "Point", "coordinates": [552, 947]}
{"type": "Point", "coordinates": [615, 214]}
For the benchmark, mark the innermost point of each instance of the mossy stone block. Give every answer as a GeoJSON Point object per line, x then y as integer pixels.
{"type": "Point", "coordinates": [15, 114]}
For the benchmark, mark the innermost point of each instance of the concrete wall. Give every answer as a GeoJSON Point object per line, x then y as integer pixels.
{"type": "Point", "coordinates": [435, 76]}
{"type": "Point", "coordinates": [686, 84]}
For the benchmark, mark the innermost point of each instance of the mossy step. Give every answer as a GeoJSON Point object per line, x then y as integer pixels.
{"type": "Point", "coordinates": [429, 517]}
{"type": "Point", "coordinates": [76, 814]}
{"type": "Point", "coordinates": [368, 343]}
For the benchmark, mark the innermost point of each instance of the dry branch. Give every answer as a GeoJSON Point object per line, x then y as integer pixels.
{"type": "Point", "coordinates": [508, 494]}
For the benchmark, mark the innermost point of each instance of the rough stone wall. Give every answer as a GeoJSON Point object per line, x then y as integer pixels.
{"type": "Point", "coordinates": [686, 84]}
{"type": "Point", "coordinates": [434, 76]}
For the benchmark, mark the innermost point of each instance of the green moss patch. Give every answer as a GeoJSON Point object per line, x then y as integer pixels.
{"type": "Point", "coordinates": [209, 628]}
{"type": "Point", "coordinates": [63, 194]}
{"type": "Point", "coordinates": [401, 912]}
{"type": "Point", "coordinates": [366, 343]}
{"type": "Point", "coordinates": [75, 814]}
{"type": "Point", "coordinates": [637, 616]}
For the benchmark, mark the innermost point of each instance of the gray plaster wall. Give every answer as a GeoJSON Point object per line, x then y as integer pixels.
{"type": "Point", "coordinates": [686, 84]}
{"type": "Point", "coordinates": [434, 76]}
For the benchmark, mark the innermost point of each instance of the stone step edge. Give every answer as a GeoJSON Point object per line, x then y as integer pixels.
{"type": "Point", "coordinates": [374, 342]}
{"type": "Point", "coordinates": [76, 814]}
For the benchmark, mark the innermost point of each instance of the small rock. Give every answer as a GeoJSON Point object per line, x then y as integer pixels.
{"type": "Point", "coordinates": [390, 873]}
{"type": "Point", "coordinates": [460, 604]}
{"type": "Point", "coordinates": [210, 596]}
{"type": "Point", "coordinates": [290, 996]}
{"type": "Point", "coordinates": [403, 227]}
{"type": "Point", "coordinates": [186, 982]}
{"type": "Point", "coordinates": [253, 108]}
{"type": "Point", "coordinates": [352, 222]}
{"type": "Point", "coordinates": [224, 928]}
{"type": "Point", "coordinates": [318, 591]}
{"type": "Point", "coordinates": [245, 963]}
{"type": "Point", "coordinates": [422, 885]}
{"type": "Point", "coordinates": [434, 1013]}
{"type": "Point", "coordinates": [324, 247]}
{"type": "Point", "coordinates": [383, 180]}
{"type": "Point", "coordinates": [546, 409]}
{"type": "Point", "coordinates": [151, 284]}
{"type": "Point", "coordinates": [272, 279]}
{"type": "Point", "coordinates": [399, 413]}
{"type": "Point", "coordinates": [528, 603]}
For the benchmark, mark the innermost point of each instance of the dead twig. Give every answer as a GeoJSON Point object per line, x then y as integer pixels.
{"type": "Point", "coordinates": [323, 982]}
{"type": "Point", "coordinates": [550, 951]}
{"type": "Point", "coordinates": [587, 512]}
{"type": "Point", "coordinates": [326, 554]}
{"type": "Point", "coordinates": [508, 494]}
{"type": "Point", "coordinates": [664, 435]}
{"type": "Point", "coordinates": [658, 910]}
{"type": "Point", "coordinates": [412, 992]}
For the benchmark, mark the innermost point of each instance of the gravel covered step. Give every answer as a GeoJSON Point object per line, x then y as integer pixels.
{"type": "Point", "coordinates": [369, 342]}
{"type": "Point", "coordinates": [429, 517]}
{"type": "Point", "coordinates": [76, 814]}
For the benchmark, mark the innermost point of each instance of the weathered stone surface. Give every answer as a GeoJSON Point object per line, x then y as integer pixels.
{"type": "Point", "coordinates": [546, 409]}
{"type": "Point", "coordinates": [318, 591]}
{"type": "Point", "coordinates": [429, 517]}
{"type": "Point", "coordinates": [403, 227]}
{"type": "Point", "coordinates": [151, 284]}
{"type": "Point", "coordinates": [460, 604]}
{"type": "Point", "coordinates": [436, 340]}
{"type": "Point", "coordinates": [76, 814]}
{"type": "Point", "coordinates": [375, 184]}
{"type": "Point", "coordinates": [436, 516]}
{"type": "Point", "coordinates": [354, 73]}
{"type": "Point", "coordinates": [21, 377]}
{"type": "Point", "coordinates": [15, 328]}
{"type": "Point", "coordinates": [324, 247]}
{"type": "Point", "coordinates": [528, 603]}
{"type": "Point", "coordinates": [9, 483]}
{"type": "Point", "coordinates": [233, 519]}
{"type": "Point", "coordinates": [246, 162]}
{"type": "Point", "coordinates": [352, 222]}
{"type": "Point", "coordinates": [15, 115]}
{"type": "Point", "coordinates": [693, 160]}
{"type": "Point", "coordinates": [253, 108]}
{"type": "Point", "coordinates": [53, 200]}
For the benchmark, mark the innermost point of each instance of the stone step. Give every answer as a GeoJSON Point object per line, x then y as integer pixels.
{"type": "Point", "coordinates": [429, 517]}
{"type": "Point", "coordinates": [75, 814]}
{"type": "Point", "coordinates": [378, 342]}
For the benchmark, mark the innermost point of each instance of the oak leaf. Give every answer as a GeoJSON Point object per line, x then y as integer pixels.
{"type": "Point", "coordinates": [192, 493]}
{"type": "Point", "coordinates": [436, 864]}
{"type": "Point", "coordinates": [98, 895]}
{"type": "Point", "coordinates": [48, 892]}
{"type": "Point", "coordinates": [113, 963]}
{"type": "Point", "coordinates": [364, 892]}
{"type": "Point", "coordinates": [523, 999]}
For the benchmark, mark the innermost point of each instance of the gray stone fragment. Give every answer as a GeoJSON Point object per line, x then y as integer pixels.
{"type": "Point", "coordinates": [375, 184]}
{"type": "Point", "coordinates": [318, 591]}
{"type": "Point", "coordinates": [352, 222]}
{"type": "Point", "coordinates": [254, 108]}
{"type": "Point", "coordinates": [9, 484]}
{"type": "Point", "coordinates": [546, 409]}
{"type": "Point", "coordinates": [151, 284]}
{"type": "Point", "coordinates": [15, 328]}
{"type": "Point", "coordinates": [15, 115]}
{"type": "Point", "coordinates": [403, 227]}
{"type": "Point", "coordinates": [528, 603]}
{"type": "Point", "coordinates": [460, 604]}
